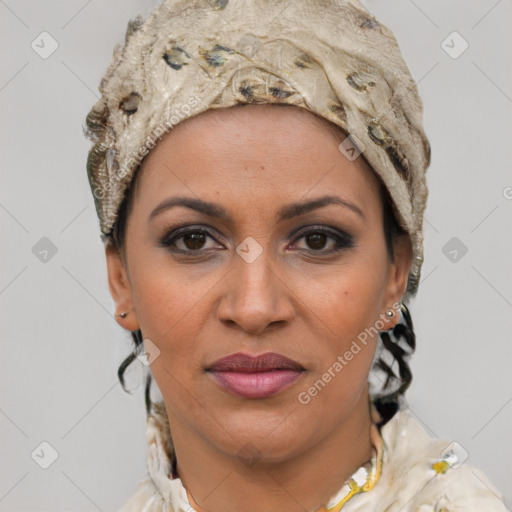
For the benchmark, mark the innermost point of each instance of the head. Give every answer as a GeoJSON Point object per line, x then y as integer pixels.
{"type": "Point", "coordinates": [257, 273]}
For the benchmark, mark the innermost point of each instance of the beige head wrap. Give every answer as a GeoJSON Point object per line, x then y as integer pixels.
{"type": "Point", "coordinates": [329, 56]}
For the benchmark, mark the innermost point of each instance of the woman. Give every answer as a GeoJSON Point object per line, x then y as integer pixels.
{"type": "Point", "coordinates": [259, 176]}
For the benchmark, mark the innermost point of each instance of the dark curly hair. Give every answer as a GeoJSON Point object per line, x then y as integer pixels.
{"type": "Point", "coordinates": [400, 342]}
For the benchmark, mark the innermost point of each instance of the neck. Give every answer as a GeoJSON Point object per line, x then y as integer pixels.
{"type": "Point", "coordinates": [216, 482]}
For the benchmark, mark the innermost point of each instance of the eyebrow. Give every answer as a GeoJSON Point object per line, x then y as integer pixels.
{"type": "Point", "coordinates": [287, 212]}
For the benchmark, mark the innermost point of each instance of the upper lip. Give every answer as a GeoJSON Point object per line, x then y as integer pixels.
{"type": "Point", "coordinates": [246, 363]}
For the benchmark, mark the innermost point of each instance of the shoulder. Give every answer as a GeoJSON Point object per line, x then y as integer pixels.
{"type": "Point", "coordinates": [146, 497]}
{"type": "Point", "coordinates": [168, 496]}
{"type": "Point", "coordinates": [425, 474]}
{"type": "Point", "coordinates": [156, 492]}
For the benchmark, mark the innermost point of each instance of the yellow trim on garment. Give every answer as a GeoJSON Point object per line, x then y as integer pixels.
{"type": "Point", "coordinates": [440, 467]}
{"type": "Point", "coordinates": [373, 468]}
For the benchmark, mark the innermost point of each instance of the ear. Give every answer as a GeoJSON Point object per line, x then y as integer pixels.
{"type": "Point", "coordinates": [397, 281]}
{"type": "Point", "coordinates": [120, 288]}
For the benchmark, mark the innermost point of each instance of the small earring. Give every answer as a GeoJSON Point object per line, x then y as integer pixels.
{"type": "Point", "coordinates": [390, 313]}
{"type": "Point", "coordinates": [123, 315]}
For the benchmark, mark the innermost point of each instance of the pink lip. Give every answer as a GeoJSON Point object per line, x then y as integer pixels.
{"type": "Point", "coordinates": [256, 384]}
{"type": "Point", "coordinates": [255, 376]}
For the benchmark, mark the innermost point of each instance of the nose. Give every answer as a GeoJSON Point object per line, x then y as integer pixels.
{"type": "Point", "coordinates": [255, 297]}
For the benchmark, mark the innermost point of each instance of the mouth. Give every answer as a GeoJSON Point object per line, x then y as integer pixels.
{"type": "Point", "coordinates": [255, 377]}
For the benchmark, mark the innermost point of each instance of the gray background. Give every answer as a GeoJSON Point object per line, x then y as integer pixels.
{"type": "Point", "coordinates": [60, 344]}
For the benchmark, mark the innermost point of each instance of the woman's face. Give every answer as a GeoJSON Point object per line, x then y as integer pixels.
{"type": "Point", "coordinates": [262, 262]}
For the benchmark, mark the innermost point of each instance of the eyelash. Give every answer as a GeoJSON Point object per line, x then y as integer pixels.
{"type": "Point", "coordinates": [343, 240]}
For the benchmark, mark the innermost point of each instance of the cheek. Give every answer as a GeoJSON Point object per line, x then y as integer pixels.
{"type": "Point", "coordinates": [172, 309]}
{"type": "Point", "coordinates": [353, 301]}
{"type": "Point", "coordinates": [347, 305]}
{"type": "Point", "coordinates": [347, 299]}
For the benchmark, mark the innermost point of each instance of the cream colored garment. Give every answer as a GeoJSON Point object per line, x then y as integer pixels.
{"type": "Point", "coordinates": [408, 482]}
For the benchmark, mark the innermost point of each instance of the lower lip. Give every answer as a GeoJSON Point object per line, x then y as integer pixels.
{"type": "Point", "coordinates": [258, 384]}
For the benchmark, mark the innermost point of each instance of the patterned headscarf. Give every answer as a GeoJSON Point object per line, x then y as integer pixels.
{"type": "Point", "coordinates": [331, 57]}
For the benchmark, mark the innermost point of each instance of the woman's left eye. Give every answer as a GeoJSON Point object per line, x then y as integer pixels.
{"type": "Point", "coordinates": [317, 238]}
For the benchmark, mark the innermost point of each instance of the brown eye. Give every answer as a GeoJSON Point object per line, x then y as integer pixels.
{"type": "Point", "coordinates": [323, 240]}
{"type": "Point", "coordinates": [189, 240]}
{"type": "Point", "coordinates": [316, 240]}
{"type": "Point", "coordinates": [194, 241]}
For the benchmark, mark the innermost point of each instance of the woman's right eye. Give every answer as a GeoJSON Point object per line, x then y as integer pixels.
{"type": "Point", "coordinates": [191, 240]}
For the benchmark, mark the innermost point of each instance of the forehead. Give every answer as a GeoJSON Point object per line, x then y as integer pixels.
{"type": "Point", "coordinates": [282, 148]}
